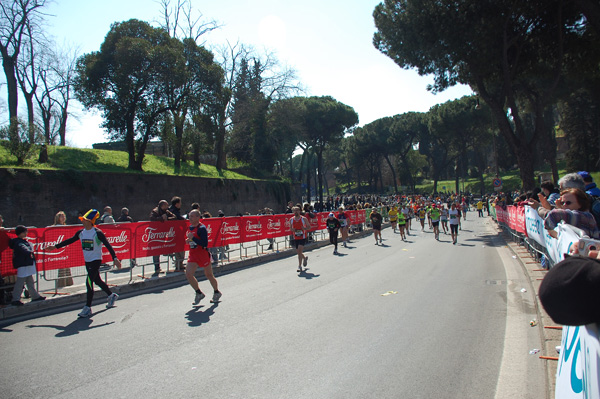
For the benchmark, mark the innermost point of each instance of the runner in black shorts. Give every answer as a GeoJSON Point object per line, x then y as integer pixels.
{"type": "Point", "coordinates": [299, 226]}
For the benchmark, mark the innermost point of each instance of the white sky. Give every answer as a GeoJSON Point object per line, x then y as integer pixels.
{"type": "Point", "coordinates": [328, 42]}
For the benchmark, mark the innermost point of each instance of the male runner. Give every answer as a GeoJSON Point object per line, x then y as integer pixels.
{"type": "Point", "coordinates": [92, 239]}
{"type": "Point", "coordinates": [454, 221]}
{"type": "Point", "coordinates": [333, 226]}
{"type": "Point", "coordinates": [376, 220]}
{"type": "Point", "coordinates": [422, 213]}
{"type": "Point", "coordinates": [435, 221]}
{"type": "Point", "coordinates": [299, 226]}
{"type": "Point", "coordinates": [197, 238]}
{"type": "Point", "coordinates": [444, 218]}
{"type": "Point", "coordinates": [393, 214]}
{"type": "Point", "coordinates": [402, 225]}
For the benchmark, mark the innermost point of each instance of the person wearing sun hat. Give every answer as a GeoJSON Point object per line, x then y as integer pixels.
{"type": "Point", "coordinates": [91, 239]}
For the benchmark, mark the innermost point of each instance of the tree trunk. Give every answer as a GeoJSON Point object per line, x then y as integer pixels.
{"type": "Point", "coordinates": [320, 174]}
{"type": "Point", "coordinates": [387, 158]}
{"type": "Point", "coordinates": [220, 146]}
{"type": "Point", "coordinates": [8, 64]}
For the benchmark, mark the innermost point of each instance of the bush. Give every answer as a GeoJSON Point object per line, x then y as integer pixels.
{"type": "Point", "coordinates": [21, 139]}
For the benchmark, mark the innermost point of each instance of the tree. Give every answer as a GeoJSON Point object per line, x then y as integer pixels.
{"type": "Point", "coordinates": [16, 15]}
{"type": "Point", "coordinates": [326, 121]}
{"type": "Point", "coordinates": [511, 53]}
{"type": "Point", "coordinates": [123, 80]}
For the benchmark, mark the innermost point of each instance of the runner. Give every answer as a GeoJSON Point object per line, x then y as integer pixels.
{"type": "Point", "coordinates": [393, 214]}
{"type": "Point", "coordinates": [428, 209]}
{"type": "Point", "coordinates": [197, 238]}
{"type": "Point", "coordinates": [444, 218]}
{"type": "Point", "coordinates": [454, 216]}
{"type": "Point", "coordinates": [333, 226]}
{"type": "Point", "coordinates": [91, 239]}
{"type": "Point", "coordinates": [376, 220]}
{"type": "Point", "coordinates": [299, 226]}
{"type": "Point", "coordinates": [344, 223]}
{"type": "Point", "coordinates": [406, 212]}
{"type": "Point", "coordinates": [422, 213]}
{"type": "Point", "coordinates": [402, 225]}
{"type": "Point", "coordinates": [435, 221]}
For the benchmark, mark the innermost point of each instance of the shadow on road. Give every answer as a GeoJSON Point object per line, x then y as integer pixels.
{"type": "Point", "coordinates": [308, 276]}
{"type": "Point", "coordinates": [73, 328]}
{"type": "Point", "coordinates": [196, 316]}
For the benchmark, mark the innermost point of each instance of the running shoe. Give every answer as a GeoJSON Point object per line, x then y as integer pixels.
{"type": "Point", "coordinates": [85, 312]}
{"type": "Point", "coordinates": [336, 252]}
{"type": "Point", "coordinates": [17, 303]}
{"type": "Point", "coordinates": [299, 269]}
{"type": "Point", "coordinates": [111, 300]}
{"type": "Point", "coordinates": [199, 296]}
{"type": "Point", "coordinates": [376, 242]}
{"type": "Point", "coordinates": [305, 261]}
{"type": "Point", "coordinates": [216, 297]}
{"type": "Point", "coordinates": [39, 298]}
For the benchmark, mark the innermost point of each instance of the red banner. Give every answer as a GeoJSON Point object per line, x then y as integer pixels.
{"type": "Point", "coordinates": [138, 240]}
{"type": "Point", "coordinates": [513, 217]}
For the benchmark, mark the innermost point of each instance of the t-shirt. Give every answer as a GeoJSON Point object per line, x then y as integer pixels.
{"type": "Point", "coordinates": [435, 215]}
{"type": "Point", "coordinates": [393, 214]}
{"type": "Point", "coordinates": [453, 215]}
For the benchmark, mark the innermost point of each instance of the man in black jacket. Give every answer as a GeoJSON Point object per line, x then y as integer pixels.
{"type": "Point", "coordinates": [24, 262]}
{"type": "Point", "coordinates": [175, 209]}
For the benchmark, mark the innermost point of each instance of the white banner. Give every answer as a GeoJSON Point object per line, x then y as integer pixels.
{"type": "Point", "coordinates": [577, 371]}
{"type": "Point", "coordinates": [535, 226]}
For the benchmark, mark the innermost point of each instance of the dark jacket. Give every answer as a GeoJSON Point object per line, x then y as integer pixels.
{"type": "Point", "coordinates": [22, 252]}
{"type": "Point", "coordinates": [176, 211]}
{"type": "Point", "coordinates": [156, 215]}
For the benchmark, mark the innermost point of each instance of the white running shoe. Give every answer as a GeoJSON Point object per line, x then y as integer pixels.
{"type": "Point", "coordinates": [199, 296]}
{"type": "Point", "coordinates": [305, 261]}
{"type": "Point", "coordinates": [85, 312]}
{"type": "Point", "coordinates": [111, 300]}
{"type": "Point", "coordinates": [216, 296]}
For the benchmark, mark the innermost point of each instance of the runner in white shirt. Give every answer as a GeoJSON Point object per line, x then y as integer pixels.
{"type": "Point", "coordinates": [454, 215]}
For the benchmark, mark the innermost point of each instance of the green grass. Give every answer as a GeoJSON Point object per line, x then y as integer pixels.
{"type": "Point", "coordinates": [83, 159]}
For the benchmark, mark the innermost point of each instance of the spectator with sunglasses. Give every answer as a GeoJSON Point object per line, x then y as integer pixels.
{"type": "Point", "coordinates": [573, 208]}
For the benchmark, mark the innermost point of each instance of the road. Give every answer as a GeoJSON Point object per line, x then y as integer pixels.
{"type": "Point", "coordinates": [453, 325]}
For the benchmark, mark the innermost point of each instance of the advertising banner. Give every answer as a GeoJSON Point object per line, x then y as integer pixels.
{"type": "Point", "coordinates": [142, 239]}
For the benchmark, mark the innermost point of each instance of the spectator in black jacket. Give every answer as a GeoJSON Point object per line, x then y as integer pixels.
{"type": "Point", "coordinates": [24, 262]}
{"type": "Point", "coordinates": [175, 209]}
{"type": "Point", "coordinates": [124, 216]}
{"type": "Point", "coordinates": [160, 214]}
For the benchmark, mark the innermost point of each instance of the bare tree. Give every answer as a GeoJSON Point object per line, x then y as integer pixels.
{"type": "Point", "coordinates": [190, 25]}
{"type": "Point", "coordinates": [14, 18]}
{"type": "Point", "coordinates": [56, 70]}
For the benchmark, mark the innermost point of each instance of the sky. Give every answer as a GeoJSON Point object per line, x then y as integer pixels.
{"type": "Point", "coordinates": [327, 42]}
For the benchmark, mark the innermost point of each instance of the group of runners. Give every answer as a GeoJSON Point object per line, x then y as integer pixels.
{"type": "Point", "coordinates": [400, 216]}
{"type": "Point", "coordinates": [434, 212]}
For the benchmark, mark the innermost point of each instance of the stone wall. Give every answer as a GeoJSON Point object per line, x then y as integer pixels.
{"type": "Point", "coordinates": [33, 197]}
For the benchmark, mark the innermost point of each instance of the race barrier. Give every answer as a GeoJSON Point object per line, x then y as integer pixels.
{"type": "Point", "coordinates": [145, 239]}
{"type": "Point", "coordinates": [578, 368]}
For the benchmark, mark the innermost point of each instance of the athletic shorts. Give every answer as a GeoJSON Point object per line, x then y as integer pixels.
{"type": "Point", "coordinates": [199, 256]}
{"type": "Point", "coordinates": [377, 226]}
{"type": "Point", "coordinates": [435, 224]}
{"type": "Point", "coordinates": [454, 228]}
{"type": "Point", "coordinates": [298, 243]}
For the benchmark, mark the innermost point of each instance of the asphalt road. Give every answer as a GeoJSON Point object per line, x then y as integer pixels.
{"type": "Point", "coordinates": [453, 325]}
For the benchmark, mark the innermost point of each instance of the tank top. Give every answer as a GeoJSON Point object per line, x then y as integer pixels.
{"type": "Point", "coordinates": [91, 245]}
{"type": "Point", "coordinates": [298, 228]}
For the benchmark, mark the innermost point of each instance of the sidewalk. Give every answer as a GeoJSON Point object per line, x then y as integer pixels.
{"type": "Point", "coordinates": [550, 332]}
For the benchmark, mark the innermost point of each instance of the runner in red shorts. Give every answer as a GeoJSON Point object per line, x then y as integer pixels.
{"type": "Point", "coordinates": [197, 238]}
{"type": "Point", "coordinates": [299, 225]}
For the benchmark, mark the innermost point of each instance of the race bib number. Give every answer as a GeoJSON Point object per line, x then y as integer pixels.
{"type": "Point", "coordinates": [298, 233]}
{"type": "Point", "coordinates": [87, 245]}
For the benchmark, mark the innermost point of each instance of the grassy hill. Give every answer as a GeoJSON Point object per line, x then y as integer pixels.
{"type": "Point", "coordinates": [82, 159]}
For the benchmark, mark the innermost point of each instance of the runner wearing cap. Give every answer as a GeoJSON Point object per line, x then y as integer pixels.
{"type": "Point", "coordinates": [91, 239]}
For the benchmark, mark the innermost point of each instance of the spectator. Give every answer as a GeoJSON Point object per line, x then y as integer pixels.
{"type": "Point", "coordinates": [24, 262]}
{"type": "Point", "coordinates": [573, 208]}
{"type": "Point", "coordinates": [569, 291]}
{"type": "Point", "coordinates": [107, 217]}
{"type": "Point", "coordinates": [160, 214]}
{"type": "Point", "coordinates": [124, 216]}
{"type": "Point", "coordinates": [175, 209]}
{"type": "Point", "coordinates": [590, 186]}
{"type": "Point", "coordinates": [550, 192]}
{"type": "Point", "coordinates": [64, 274]}
{"type": "Point", "coordinates": [4, 240]}
{"type": "Point", "coordinates": [571, 180]}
